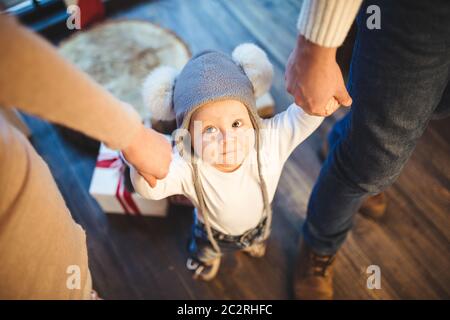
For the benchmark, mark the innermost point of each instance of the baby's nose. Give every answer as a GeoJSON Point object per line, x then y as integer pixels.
{"type": "Point", "coordinates": [227, 139]}
{"type": "Point", "coordinates": [228, 135]}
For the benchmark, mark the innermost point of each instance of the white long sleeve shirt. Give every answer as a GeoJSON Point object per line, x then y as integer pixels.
{"type": "Point", "coordinates": [234, 199]}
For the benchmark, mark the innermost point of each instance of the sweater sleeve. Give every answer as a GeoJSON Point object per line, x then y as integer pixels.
{"type": "Point", "coordinates": [36, 79]}
{"type": "Point", "coordinates": [286, 130]}
{"type": "Point", "coordinates": [176, 181]}
{"type": "Point", "coordinates": [327, 22]}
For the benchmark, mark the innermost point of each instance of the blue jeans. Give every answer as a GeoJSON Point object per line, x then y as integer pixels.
{"type": "Point", "coordinates": [398, 80]}
{"type": "Point", "coordinates": [201, 249]}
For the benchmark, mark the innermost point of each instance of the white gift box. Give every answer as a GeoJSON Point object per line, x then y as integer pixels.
{"type": "Point", "coordinates": [108, 188]}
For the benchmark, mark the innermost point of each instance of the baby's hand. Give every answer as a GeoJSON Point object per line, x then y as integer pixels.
{"type": "Point", "coordinates": [149, 178]}
{"type": "Point", "coordinates": [150, 154]}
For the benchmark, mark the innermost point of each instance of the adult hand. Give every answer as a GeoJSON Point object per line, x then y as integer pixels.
{"type": "Point", "coordinates": [150, 153]}
{"type": "Point", "coordinates": [314, 79]}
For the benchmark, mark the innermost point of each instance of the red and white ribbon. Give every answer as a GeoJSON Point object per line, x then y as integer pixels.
{"type": "Point", "coordinates": [125, 198]}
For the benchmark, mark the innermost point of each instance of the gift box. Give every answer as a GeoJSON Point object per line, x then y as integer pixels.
{"type": "Point", "coordinates": [109, 188]}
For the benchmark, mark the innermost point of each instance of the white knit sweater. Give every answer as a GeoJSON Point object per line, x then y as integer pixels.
{"type": "Point", "coordinates": [326, 22]}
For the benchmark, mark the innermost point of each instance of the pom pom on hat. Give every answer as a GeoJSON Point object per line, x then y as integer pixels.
{"type": "Point", "coordinates": [157, 93]}
{"type": "Point", "coordinates": [256, 66]}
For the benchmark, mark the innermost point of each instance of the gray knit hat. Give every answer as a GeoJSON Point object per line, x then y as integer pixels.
{"type": "Point", "coordinates": [210, 76]}
{"type": "Point", "coordinates": [207, 77]}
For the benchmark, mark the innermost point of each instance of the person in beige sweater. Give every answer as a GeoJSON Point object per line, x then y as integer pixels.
{"type": "Point", "coordinates": [41, 246]}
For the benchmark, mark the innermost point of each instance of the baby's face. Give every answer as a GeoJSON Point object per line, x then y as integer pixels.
{"type": "Point", "coordinates": [222, 134]}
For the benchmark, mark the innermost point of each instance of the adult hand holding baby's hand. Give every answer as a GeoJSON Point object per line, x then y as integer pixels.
{"type": "Point", "coordinates": [150, 153]}
{"type": "Point", "coordinates": [314, 79]}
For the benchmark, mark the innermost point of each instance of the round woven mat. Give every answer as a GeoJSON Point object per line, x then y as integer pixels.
{"type": "Point", "coordinates": [120, 54]}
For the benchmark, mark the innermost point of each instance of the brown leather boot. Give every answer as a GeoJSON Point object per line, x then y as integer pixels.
{"type": "Point", "coordinates": [373, 207]}
{"type": "Point", "coordinates": [257, 250]}
{"type": "Point", "coordinates": [313, 279]}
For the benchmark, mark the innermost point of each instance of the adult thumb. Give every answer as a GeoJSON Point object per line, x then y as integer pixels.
{"type": "Point", "coordinates": [342, 95]}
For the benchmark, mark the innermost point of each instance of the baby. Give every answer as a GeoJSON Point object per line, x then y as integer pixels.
{"type": "Point", "coordinates": [227, 160]}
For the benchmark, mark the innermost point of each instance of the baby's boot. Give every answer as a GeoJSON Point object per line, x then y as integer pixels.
{"type": "Point", "coordinates": [256, 250]}
{"type": "Point", "coordinates": [203, 270]}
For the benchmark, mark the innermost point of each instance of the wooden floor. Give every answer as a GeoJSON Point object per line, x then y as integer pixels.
{"type": "Point", "coordinates": [143, 258]}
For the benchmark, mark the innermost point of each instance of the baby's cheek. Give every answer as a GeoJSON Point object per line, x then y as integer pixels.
{"type": "Point", "coordinates": [241, 151]}
{"type": "Point", "coordinates": [247, 140]}
{"type": "Point", "coordinates": [210, 152]}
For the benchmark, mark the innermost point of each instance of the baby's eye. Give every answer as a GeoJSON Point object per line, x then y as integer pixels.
{"type": "Point", "coordinates": [210, 129]}
{"type": "Point", "coordinates": [237, 124]}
